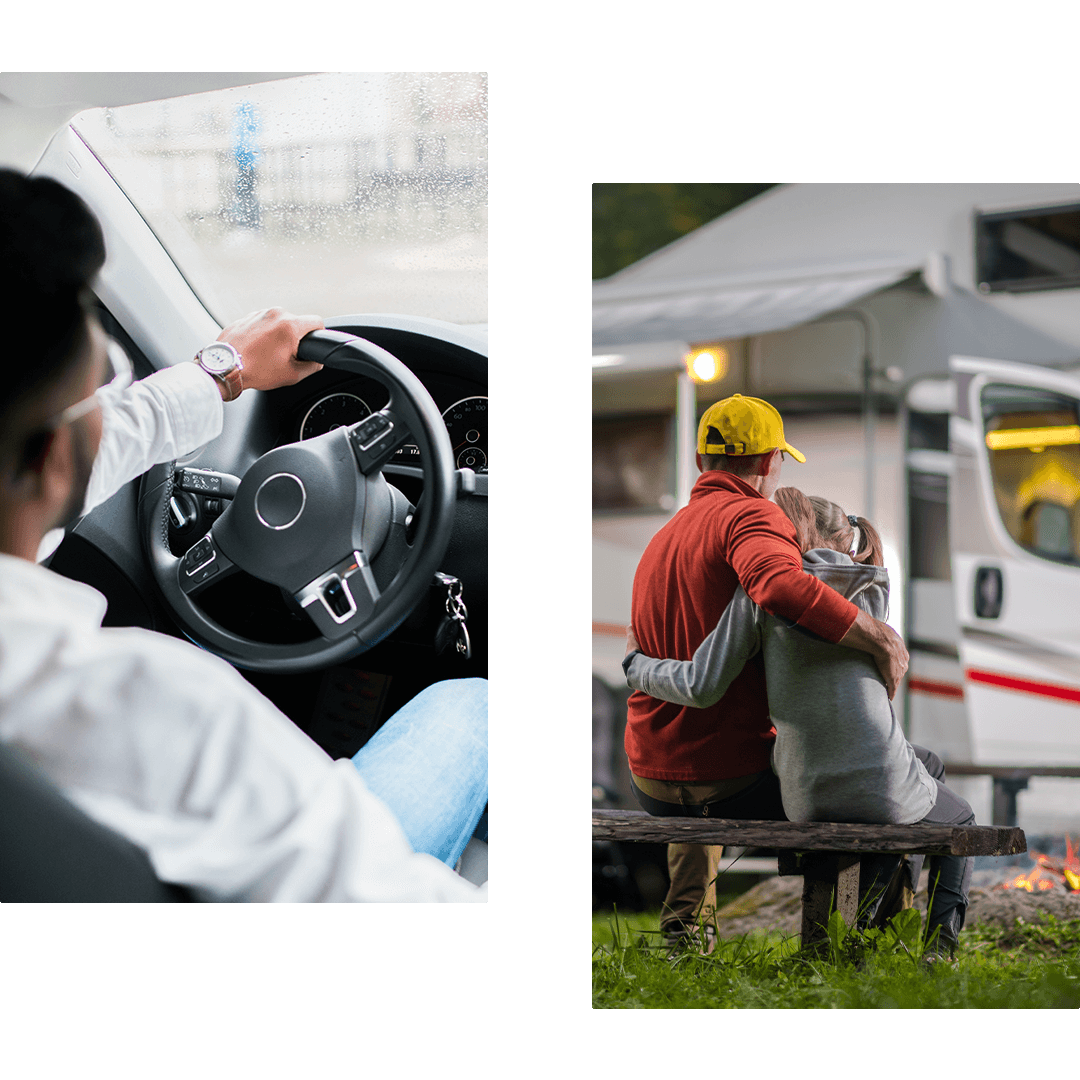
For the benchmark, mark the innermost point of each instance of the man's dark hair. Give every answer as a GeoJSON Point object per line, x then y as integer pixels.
{"type": "Point", "coordinates": [736, 464]}
{"type": "Point", "coordinates": [51, 248]}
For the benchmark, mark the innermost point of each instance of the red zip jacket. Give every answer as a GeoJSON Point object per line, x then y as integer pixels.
{"type": "Point", "coordinates": [727, 535]}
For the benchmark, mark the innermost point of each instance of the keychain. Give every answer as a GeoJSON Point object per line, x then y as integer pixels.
{"type": "Point", "coordinates": [452, 627]}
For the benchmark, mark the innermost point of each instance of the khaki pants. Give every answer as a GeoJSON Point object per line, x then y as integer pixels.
{"type": "Point", "coordinates": [692, 867]}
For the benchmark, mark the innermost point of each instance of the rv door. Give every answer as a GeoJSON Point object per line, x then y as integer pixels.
{"type": "Point", "coordinates": [1014, 526]}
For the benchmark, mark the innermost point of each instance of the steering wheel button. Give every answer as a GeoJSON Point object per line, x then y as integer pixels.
{"type": "Point", "coordinates": [372, 430]}
{"type": "Point", "coordinates": [204, 572]}
{"type": "Point", "coordinates": [198, 556]}
{"type": "Point", "coordinates": [338, 599]}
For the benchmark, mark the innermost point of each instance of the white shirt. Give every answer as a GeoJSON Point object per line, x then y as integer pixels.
{"type": "Point", "coordinates": [166, 743]}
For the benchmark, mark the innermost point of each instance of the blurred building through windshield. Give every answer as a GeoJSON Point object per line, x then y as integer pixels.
{"type": "Point", "coordinates": [332, 194]}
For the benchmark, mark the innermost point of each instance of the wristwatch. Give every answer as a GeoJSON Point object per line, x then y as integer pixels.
{"type": "Point", "coordinates": [223, 362]}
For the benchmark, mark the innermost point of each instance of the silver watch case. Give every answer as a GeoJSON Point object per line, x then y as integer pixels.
{"type": "Point", "coordinates": [219, 359]}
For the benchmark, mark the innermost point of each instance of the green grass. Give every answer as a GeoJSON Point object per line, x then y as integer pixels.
{"type": "Point", "coordinates": [1030, 965]}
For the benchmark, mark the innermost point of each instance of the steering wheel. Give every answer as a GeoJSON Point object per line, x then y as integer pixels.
{"type": "Point", "coordinates": [318, 519]}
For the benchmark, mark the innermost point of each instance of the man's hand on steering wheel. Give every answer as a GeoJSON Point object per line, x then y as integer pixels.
{"type": "Point", "coordinates": [267, 342]}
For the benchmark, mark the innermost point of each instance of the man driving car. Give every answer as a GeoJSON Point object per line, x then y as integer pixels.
{"type": "Point", "coordinates": [147, 734]}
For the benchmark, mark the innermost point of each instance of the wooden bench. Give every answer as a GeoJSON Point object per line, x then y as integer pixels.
{"type": "Point", "coordinates": [826, 854]}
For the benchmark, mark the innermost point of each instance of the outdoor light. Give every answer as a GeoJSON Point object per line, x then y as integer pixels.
{"type": "Point", "coordinates": [707, 363]}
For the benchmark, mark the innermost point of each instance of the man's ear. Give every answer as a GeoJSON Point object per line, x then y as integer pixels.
{"type": "Point", "coordinates": [35, 453]}
{"type": "Point", "coordinates": [765, 462]}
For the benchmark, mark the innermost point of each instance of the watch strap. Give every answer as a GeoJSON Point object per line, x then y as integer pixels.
{"type": "Point", "coordinates": [234, 382]}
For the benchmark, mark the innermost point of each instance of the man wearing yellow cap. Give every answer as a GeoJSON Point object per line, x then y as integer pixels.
{"type": "Point", "coordinates": [715, 762]}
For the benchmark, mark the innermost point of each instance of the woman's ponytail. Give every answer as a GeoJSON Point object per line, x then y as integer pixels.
{"type": "Point", "coordinates": [869, 546]}
{"type": "Point", "coordinates": [853, 535]}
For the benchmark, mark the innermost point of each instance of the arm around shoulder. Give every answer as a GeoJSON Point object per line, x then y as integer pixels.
{"type": "Point", "coordinates": [884, 644]}
{"type": "Point", "coordinates": [703, 680]}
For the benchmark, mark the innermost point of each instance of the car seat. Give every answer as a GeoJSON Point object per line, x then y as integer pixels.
{"type": "Point", "coordinates": [51, 852]}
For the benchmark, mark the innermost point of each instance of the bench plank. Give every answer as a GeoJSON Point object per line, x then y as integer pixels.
{"type": "Point", "coordinates": [830, 879]}
{"type": "Point", "coordinates": [636, 826]}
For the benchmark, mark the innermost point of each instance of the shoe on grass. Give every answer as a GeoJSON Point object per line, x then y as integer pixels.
{"type": "Point", "coordinates": [682, 939]}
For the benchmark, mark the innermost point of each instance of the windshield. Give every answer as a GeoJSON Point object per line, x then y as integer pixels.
{"type": "Point", "coordinates": [327, 194]}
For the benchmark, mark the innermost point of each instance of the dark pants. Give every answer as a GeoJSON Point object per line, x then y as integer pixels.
{"type": "Point", "coordinates": [758, 802]}
{"type": "Point", "coordinates": [950, 875]}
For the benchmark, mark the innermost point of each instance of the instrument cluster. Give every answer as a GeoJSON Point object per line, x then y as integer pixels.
{"type": "Point", "coordinates": [465, 419]}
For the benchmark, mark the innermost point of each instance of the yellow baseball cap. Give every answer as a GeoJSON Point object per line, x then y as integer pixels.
{"type": "Point", "coordinates": [745, 425]}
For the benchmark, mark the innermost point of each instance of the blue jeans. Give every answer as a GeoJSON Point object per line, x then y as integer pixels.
{"type": "Point", "coordinates": [428, 763]}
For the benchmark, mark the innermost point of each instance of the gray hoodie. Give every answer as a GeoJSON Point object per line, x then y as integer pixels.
{"type": "Point", "coordinates": [839, 752]}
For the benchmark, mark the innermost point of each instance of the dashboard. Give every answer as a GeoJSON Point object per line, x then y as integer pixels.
{"type": "Point", "coordinates": [352, 400]}
{"type": "Point", "coordinates": [455, 377]}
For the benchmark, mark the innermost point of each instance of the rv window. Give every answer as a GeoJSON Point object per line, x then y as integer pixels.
{"type": "Point", "coordinates": [1028, 249]}
{"type": "Point", "coordinates": [632, 463]}
{"type": "Point", "coordinates": [1033, 444]}
{"type": "Point", "coordinates": [927, 431]}
{"type": "Point", "coordinates": [928, 525]}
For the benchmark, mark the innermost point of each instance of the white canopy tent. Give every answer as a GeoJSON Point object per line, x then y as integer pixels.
{"type": "Point", "coordinates": [723, 307]}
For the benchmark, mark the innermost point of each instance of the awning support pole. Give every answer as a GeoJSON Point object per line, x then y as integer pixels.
{"type": "Point", "coordinates": [685, 439]}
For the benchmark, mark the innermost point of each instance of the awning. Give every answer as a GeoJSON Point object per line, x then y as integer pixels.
{"type": "Point", "coordinates": [719, 308]}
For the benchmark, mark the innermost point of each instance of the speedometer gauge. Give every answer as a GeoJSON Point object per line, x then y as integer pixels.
{"type": "Point", "coordinates": [333, 411]}
{"type": "Point", "coordinates": [466, 423]}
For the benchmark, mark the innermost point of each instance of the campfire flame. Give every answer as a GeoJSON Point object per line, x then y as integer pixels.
{"type": "Point", "coordinates": [1049, 871]}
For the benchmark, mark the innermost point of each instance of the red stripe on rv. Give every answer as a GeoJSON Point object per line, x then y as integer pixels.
{"type": "Point", "coordinates": [1024, 686]}
{"type": "Point", "coordinates": [938, 689]}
